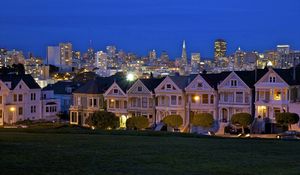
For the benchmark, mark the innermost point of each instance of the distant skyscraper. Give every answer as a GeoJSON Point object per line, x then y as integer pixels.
{"type": "Point", "coordinates": [283, 49]}
{"type": "Point", "coordinates": [152, 55]}
{"type": "Point", "coordinates": [101, 63]}
{"type": "Point", "coordinates": [111, 51]}
{"type": "Point", "coordinates": [239, 56]}
{"type": "Point", "coordinates": [220, 49]}
{"type": "Point", "coordinates": [53, 55]}
{"type": "Point", "coordinates": [164, 57]}
{"type": "Point", "coordinates": [184, 55]}
{"type": "Point", "coordinates": [65, 54]}
{"type": "Point", "coordinates": [195, 62]}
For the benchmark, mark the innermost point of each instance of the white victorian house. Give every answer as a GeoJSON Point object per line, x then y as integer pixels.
{"type": "Point", "coordinates": [116, 100]}
{"type": "Point", "coordinates": [141, 99]}
{"type": "Point", "coordinates": [202, 97]}
{"type": "Point", "coordinates": [171, 98]}
{"type": "Point", "coordinates": [236, 94]}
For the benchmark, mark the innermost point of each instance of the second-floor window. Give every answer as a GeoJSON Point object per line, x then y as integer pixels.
{"type": "Point", "coordinates": [144, 102]}
{"type": "Point", "coordinates": [173, 100]}
{"type": "Point", "coordinates": [15, 97]}
{"type": "Point", "coordinates": [277, 94]}
{"type": "Point", "coordinates": [239, 97]}
{"type": "Point", "coordinates": [212, 99]}
{"type": "Point", "coordinates": [111, 103]}
{"type": "Point", "coordinates": [32, 96]}
{"type": "Point", "coordinates": [0, 99]}
{"type": "Point", "coordinates": [205, 98]}
{"type": "Point", "coordinates": [20, 97]}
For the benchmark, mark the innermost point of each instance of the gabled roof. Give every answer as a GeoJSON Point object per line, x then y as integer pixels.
{"type": "Point", "coordinates": [183, 81]}
{"type": "Point", "coordinates": [214, 79]}
{"type": "Point", "coordinates": [248, 77]}
{"type": "Point", "coordinates": [15, 79]}
{"type": "Point", "coordinates": [60, 87]}
{"type": "Point", "coordinates": [287, 75]}
{"type": "Point", "coordinates": [97, 86]}
{"type": "Point", "coordinates": [151, 83]}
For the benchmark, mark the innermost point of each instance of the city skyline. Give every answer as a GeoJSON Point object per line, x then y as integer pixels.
{"type": "Point", "coordinates": [140, 27]}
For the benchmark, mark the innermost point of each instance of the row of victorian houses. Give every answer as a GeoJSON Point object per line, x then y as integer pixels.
{"type": "Point", "coordinates": [262, 93]}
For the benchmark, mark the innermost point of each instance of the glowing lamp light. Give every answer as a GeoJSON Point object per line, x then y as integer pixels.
{"type": "Point", "coordinates": [130, 77]}
{"type": "Point", "coordinates": [196, 98]}
{"type": "Point", "coordinates": [12, 109]}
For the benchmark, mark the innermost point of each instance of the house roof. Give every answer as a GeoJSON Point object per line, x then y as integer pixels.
{"type": "Point", "coordinates": [248, 77]}
{"type": "Point", "coordinates": [101, 84]}
{"type": "Point", "coordinates": [214, 79]}
{"type": "Point", "coordinates": [287, 75]}
{"type": "Point", "coordinates": [15, 79]}
{"type": "Point", "coordinates": [152, 83]}
{"type": "Point", "coordinates": [60, 87]}
{"type": "Point", "coordinates": [183, 81]}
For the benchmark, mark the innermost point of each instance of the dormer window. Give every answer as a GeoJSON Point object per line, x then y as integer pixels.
{"type": "Point", "coordinates": [20, 86]}
{"type": "Point", "coordinates": [272, 79]}
{"type": "Point", "coordinates": [233, 83]}
{"type": "Point", "coordinates": [68, 90]}
{"type": "Point", "coordinates": [116, 91]}
{"type": "Point", "coordinates": [139, 89]}
{"type": "Point", "coordinates": [169, 86]}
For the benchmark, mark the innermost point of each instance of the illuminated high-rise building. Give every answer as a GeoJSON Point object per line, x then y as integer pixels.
{"type": "Point", "coordinates": [65, 54]}
{"type": "Point", "coordinates": [184, 55]}
{"type": "Point", "coordinates": [152, 55]}
{"type": "Point", "coordinates": [195, 62]}
{"type": "Point", "coordinates": [220, 49]}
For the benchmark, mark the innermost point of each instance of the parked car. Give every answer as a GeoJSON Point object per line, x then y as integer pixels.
{"type": "Point", "coordinates": [289, 135]}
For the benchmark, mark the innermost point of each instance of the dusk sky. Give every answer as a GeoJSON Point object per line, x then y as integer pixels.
{"type": "Point", "coordinates": [142, 25]}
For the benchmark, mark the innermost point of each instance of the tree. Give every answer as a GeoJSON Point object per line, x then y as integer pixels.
{"type": "Point", "coordinates": [141, 122]}
{"type": "Point", "coordinates": [243, 119]}
{"type": "Point", "coordinates": [137, 123]}
{"type": "Point", "coordinates": [203, 119]}
{"type": "Point", "coordinates": [174, 121]}
{"type": "Point", "coordinates": [103, 120]}
{"type": "Point", "coordinates": [130, 123]}
{"type": "Point", "coordinates": [287, 118]}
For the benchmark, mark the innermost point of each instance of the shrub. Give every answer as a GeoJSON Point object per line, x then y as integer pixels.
{"type": "Point", "coordinates": [174, 121]}
{"type": "Point", "coordinates": [203, 120]}
{"type": "Point", "coordinates": [137, 123]}
{"type": "Point", "coordinates": [103, 120]}
{"type": "Point", "coordinates": [287, 118]}
{"type": "Point", "coordinates": [243, 119]}
{"type": "Point", "coordinates": [130, 123]}
{"type": "Point", "coordinates": [141, 122]}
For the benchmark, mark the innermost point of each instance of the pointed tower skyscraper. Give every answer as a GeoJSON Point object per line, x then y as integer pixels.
{"type": "Point", "coordinates": [183, 55]}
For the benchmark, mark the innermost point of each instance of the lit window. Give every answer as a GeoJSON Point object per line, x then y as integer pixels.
{"type": "Point", "coordinates": [277, 94]}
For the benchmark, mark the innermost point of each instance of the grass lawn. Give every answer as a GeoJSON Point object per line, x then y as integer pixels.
{"type": "Point", "coordinates": [66, 151]}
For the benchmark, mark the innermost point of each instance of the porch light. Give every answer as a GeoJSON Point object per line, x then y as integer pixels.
{"type": "Point", "coordinates": [12, 109]}
{"type": "Point", "coordinates": [196, 98]}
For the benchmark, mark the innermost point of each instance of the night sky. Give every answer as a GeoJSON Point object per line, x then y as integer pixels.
{"type": "Point", "coordinates": [142, 25]}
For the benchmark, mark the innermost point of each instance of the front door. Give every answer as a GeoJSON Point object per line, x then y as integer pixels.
{"type": "Point", "coordinates": [224, 115]}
